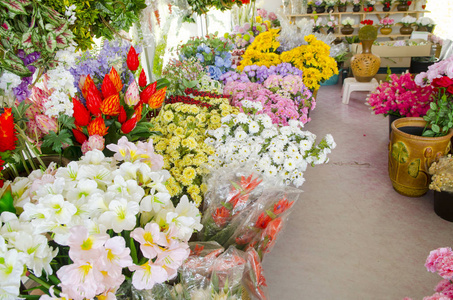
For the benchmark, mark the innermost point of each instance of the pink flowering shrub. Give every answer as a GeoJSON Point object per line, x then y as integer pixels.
{"type": "Point", "coordinates": [441, 261]}
{"type": "Point", "coordinates": [401, 97]}
{"type": "Point", "coordinates": [279, 108]}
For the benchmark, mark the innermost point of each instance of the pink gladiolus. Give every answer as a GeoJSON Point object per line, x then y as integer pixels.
{"type": "Point", "coordinates": [132, 96]}
{"type": "Point", "coordinates": [46, 124]}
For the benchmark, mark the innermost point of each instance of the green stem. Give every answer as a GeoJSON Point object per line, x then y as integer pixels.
{"type": "Point", "coordinates": [40, 281]}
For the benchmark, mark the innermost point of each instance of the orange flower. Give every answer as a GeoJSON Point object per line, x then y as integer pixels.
{"type": "Point", "coordinates": [147, 93]}
{"type": "Point", "coordinates": [221, 216]}
{"type": "Point", "coordinates": [94, 100]}
{"type": "Point", "coordinates": [108, 88]}
{"type": "Point", "coordinates": [111, 105]}
{"type": "Point", "coordinates": [269, 235]}
{"type": "Point", "coordinates": [116, 80]}
{"type": "Point", "coordinates": [263, 220]}
{"type": "Point", "coordinates": [282, 205]}
{"type": "Point", "coordinates": [138, 110]}
{"type": "Point", "coordinates": [81, 114]}
{"type": "Point", "coordinates": [157, 98]}
{"type": "Point", "coordinates": [7, 132]}
{"type": "Point", "coordinates": [84, 84]}
{"type": "Point", "coordinates": [97, 126]}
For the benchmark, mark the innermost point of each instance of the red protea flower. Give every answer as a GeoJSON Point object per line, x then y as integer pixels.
{"type": "Point", "coordinates": [108, 88]}
{"type": "Point", "coordinates": [94, 100]}
{"type": "Point", "coordinates": [115, 78]}
{"type": "Point", "coordinates": [79, 136]}
{"type": "Point", "coordinates": [132, 59]}
{"type": "Point", "coordinates": [111, 105]}
{"type": "Point", "coordinates": [157, 98]}
{"type": "Point", "coordinates": [7, 132]}
{"type": "Point", "coordinates": [81, 114]}
{"type": "Point", "coordinates": [221, 216]}
{"type": "Point", "coordinates": [129, 125]}
{"type": "Point", "coordinates": [122, 116]}
{"type": "Point", "coordinates": [142, 79]}
{"type": "Point", "coordinates": [148, 92]}
{"type": "Point", "coordinates": [97, 126]}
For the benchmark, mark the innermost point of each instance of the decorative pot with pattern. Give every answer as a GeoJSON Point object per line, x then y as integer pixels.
{"type": "Point", "coordinates": [366, 64]}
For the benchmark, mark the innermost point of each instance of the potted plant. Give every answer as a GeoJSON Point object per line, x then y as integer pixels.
{"type": "Point", "coordinates": [365, 65]}
{"type": "Point", "coordinates": [347, 26]}
{"type": "Point", "coordinates": [423, 23]}
{"type": "Point", "coordinates": [386, 24]}
{"type": "Point", "coordinates": [417, 142]}
{"type": "Point", "coordinates": [369, 5]}
{"type": "Point", "coordinates": [342, 4]}
{"type": "Point", "coordinates": [386, 5]}
{"type": "Point", "coordinates": [403, 5]}
{"type": "Point", "coordinates": [442, 183]}
{"type": "Point", "coordinates": [356, 5]}
{"type": "Point", "coordinates": [318, 24]}
{"type": "Point", "coordinates": [407, 23]}
{"type": "Point", "coordinates": [330, 5]}
{"type": "Point", "coordinates": [331, 24]}
{"type": "Point", "coordinates": [320, 6]}
{"type": "Point", "coordinates": [309, 7]}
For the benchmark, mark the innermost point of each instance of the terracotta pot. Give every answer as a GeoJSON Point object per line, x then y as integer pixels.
{"type": "Point", "coordinates": [309, 9]}
{"type": "Point", "coordinates": [406, 30]}
{"type": "Point", "coordinates": [411, 155]}
{"type": "Point", "coordinates": [443, 205]}
{"type": "Point", "coordinates": [385, 30]}
{"type": "Point", "coordinates": [422, 28]}
{"type": "Point", "coordinates": [330, 9]}
{"type": "Point", "coordinates": [342, 8]}
{"type": "Point", "coordinates": [320, 9]}
{"type": "Point", "coordinates": [347, 30]}
{"type": "Point", "coordinates": [402, 7]}
{"type": "Point", "coordinates": [365, 65]}
{"type": "Point", "coordinates": [356, 8]}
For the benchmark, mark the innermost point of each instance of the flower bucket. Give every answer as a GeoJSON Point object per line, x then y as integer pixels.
{"type": "Point", "coordinates": [332, 80]}
{"type": "Point", "coordinates": [411, 155]}
{"type": "Point", "coordinates": [443, 205]}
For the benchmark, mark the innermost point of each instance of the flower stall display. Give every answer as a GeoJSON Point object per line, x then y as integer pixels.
{"type": "Point", "coordinates": [369, 5]}
{"type": "Point", "coordinates": [331, 24]}
{"type": "Point", "coordinates": [408, 21]}
{"type": "Point", "coordinates": [282, 98]}
{"type": "Point", "coordinates": [423, 23]}
{"type": "Point", "coordinates": [386, 24]}
{"type": "Point", "coordinates": [255, 73]}
{"type": "Point", "coordinates": [212, 52]}
{"type": "Point", "coordinates": [85, 229]}
{"type": "Point", "coordinates": [183, 123]}
{"type": "Point", "coordinates": [201, 7]}
{"type": "Point", "coordinates": [387, 4]}
{"type": "Point", "coordinates": [283, 151]}
{"type": "Point", "coordinates": [401, 97]}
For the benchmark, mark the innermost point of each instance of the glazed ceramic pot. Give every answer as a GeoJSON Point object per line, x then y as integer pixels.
{"type": "Point", "coordinates": [406, 30]}
{"type": "Point", "coordinates": [443, 205]}
{"type": "Point", "coordinates": [385, 8]}
{"type": "Point", "coordinates": [347, 30]}
{"type": "Point", "coordinates": [320, 9]}
{"type": "Point", "coordinates": [402, 7]}
{"type": "Point", "coordinates": [411, 155]}
{"type": "Point", "coordinates": [366, 64]}
{"type": "Point", "coordinates": [330, 30]}
{"type": "Point", "coordinates": [342, 8]}
{"type": "Point", "coordinates": [422, 28]}
{"type": "Point", "coordinates": [385, 30]}
{"type": "Point", "coordinates": [356, 8]}
{"type": "Point", "coordinates": [309, 9]}
{"type": "Point", "coordinates": [330, 9]}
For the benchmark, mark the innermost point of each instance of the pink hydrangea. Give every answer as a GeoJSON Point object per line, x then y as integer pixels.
{"type": "Point", "coordinates": [93, 142]}
{"type": "Point", "coordinates": [435, 257]}
{"type": "Point", "coordinates": [401, 97]}
{"type": "Point", "coordinates": [437, 70]}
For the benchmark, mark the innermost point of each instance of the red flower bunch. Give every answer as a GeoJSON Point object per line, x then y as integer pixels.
{"type": "Point", "coordinates": [7, 137]}
{"type": "Point", "coordinates": [443, 82]}
{"type": "Point", "coordinates": [368, 9]}
{"type": "Point", "coordinates": [367, 22]}
{"type": "Point", "coordinates": [186, 100]}
{"type": "Point", "coordinates": [194, 92]}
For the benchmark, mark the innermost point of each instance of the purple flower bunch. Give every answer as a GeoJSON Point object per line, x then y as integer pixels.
{"type": "Point", "coordinates": [112, 53]}
{"type": "Point", "coordinates": [278, 107]}
{"type": "Point", "coordinates": [254, 73]}
{"type": "Point", "coordinates": [22, 91]}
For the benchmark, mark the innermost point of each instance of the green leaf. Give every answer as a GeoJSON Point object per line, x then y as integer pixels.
{"type": "Point", "coordinates": [433, 106]}
{"type": "Point", "coordinates": [56, 141]}
{"type": "Point", "coordinates": [26, 39]}
{"type": "Point", "coordinates": [50, 41]}
{"type": "Point", "coordinates": [428, 133]}
{"type": "Point", "coordinates": [7, 201]}
{"type": "Point", "coordinates": [67, 121]}
{"type": "Point", "coordinates": [414, 168]}
{"type": "Point", "coordinates": [435, 128]}
{"type": "Point", "coordinates": [61, 41]}
{"type": "Point", "coordinates": [15, 67]}
{"type": "Point", "coordinates": [14, 6]}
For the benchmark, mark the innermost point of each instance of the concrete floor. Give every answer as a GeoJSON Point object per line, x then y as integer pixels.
{"type": "Point", "coordinates": [352, 236]}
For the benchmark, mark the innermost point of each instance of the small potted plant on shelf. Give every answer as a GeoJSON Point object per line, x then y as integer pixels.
{"type": "Point", "coordinates": [330, 5]}
{"type": "Point", "coordinates": [403, 5]}
{"type": "Point", "coordinates": [342, 4]}
{"type": "Point", "coordinates": [309, 7]}
{"type": "Point", "coordinates": [386, 5]}
{"type": "Point", "coordinates": [317, 25]}
{"type": "Point", "coordinates": [356, 5]}
{"type": "Point", "coordinates": [423, 23]}
{"type": "Point", "coordinates": [320, 6]}
{"type": "Point", "coordinates": [331, 24]}
{"type": "Point", "coordinates": [347, 26]}
{"type": "Point", "coordinates": [386, 24]}
{"type": "Point", "coordinates": [369, 5]}
{"type": "Point", "coordinates": [407, 23]}
{"type": "Point", "coordinates": [442, 184]}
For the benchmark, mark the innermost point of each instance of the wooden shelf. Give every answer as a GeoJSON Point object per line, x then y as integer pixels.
{"type": "Point", "coordinates": [379, 35]}
{"type": "Point", "coordinates": [362, 13]}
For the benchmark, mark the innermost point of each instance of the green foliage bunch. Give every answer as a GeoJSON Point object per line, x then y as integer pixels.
{"type": "Point", "coordinates": [368, 32]}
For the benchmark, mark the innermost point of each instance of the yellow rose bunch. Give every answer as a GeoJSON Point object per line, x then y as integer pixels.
{"type": "Point", "coordinates": [314, 61]}
{"type": "Point", "coordinates": [183, 127]}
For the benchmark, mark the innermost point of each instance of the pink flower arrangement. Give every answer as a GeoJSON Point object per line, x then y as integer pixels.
{"type": "Point", "coordinates": [437, 70]}
{"type": "Point", "coordinates": [279, 107]}
{"type": "Point", "coordinates": [402, 97]}
{"type": "Point", "coordinates": [387, 22]}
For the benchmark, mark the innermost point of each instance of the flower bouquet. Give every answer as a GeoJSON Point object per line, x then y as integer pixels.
{"type": "Point", "coordinates": [331, 24]}
{"type": "Point", "coordinates": [284, 151]}
{"type": "Point", "coordinates": [255, 73]}
{"type": "Point", "coordinates": [408, 21]}
{"type": "Point", "coordinates": [387, 4]}
{"type": "Point", "coordinates": [212, 52]}
{"type": "Point", "coordinates": [84, 230]}
{"type": "Point", "coordinates": [387, 22]}
{"type": "Point", "coordinates": [401, 97]}
{"type": "Point", "coordinates": [348, 21]}
{"type": "Point", "coordinates": [442, 174]}
{"type": "Point", "coordinates": [369, 5]}
{"type": "Point", "coordinates": [423, 23]}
